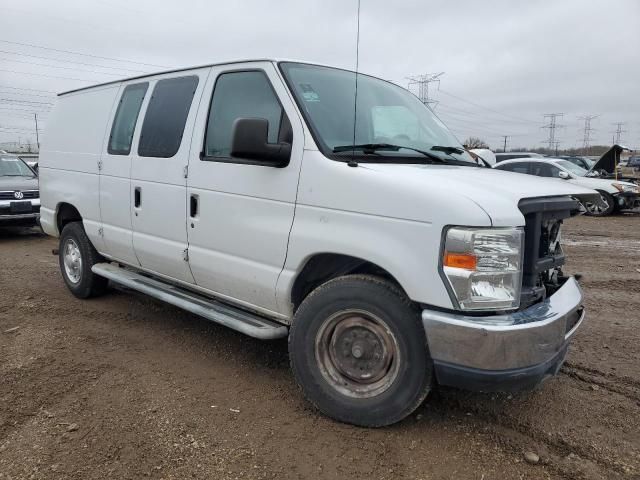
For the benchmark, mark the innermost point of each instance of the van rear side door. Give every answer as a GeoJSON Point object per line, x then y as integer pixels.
{"type": "Point", "coordinates": [241, 211]}
{"type": "Point", "coordinates": [158, 174]}
{"type": "Point", "coordinates": [115, 173]}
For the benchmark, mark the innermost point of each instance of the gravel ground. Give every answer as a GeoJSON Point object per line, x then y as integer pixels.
{"type": "Point", "coordinates": [126, 387]}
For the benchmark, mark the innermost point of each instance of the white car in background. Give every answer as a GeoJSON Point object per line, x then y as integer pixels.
{"type": "Point", "coordinates": [616, 195]}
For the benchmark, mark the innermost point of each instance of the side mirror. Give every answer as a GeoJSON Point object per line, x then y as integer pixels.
{"type": "Point", "coordinates": [250, 141]}
{"type": "Point", "coordinates": [564, 175]}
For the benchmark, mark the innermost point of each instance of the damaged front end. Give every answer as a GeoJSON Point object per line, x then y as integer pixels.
{"type": "Point", "coordinates": [543, 255]}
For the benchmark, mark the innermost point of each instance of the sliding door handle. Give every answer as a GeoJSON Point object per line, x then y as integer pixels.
{"type": "Point", "coordinates": [137, 197]}
{"type": "Point", "coordinates": [194, 203]}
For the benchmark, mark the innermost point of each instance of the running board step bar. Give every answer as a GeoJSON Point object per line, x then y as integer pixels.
{"type": "Point", "coordinates": [240, 320]}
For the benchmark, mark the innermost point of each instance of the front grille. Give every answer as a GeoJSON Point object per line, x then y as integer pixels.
{"type": "Point", "coordinates": [27, 194]}
{"type": "Point", "coordinates": [543, 254]}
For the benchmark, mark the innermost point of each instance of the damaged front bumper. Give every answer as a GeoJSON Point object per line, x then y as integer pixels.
{"type": "Point", "coordinates": [505, 352]}
{"type": "Point", "coordinates": [627, 200]}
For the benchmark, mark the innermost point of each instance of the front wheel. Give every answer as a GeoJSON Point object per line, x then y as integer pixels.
{"type": "Point", "coordinates": [358, 351]}
{"type": "Point", "coordinates": [76, 256]}
{"type": "Point", "coordinates": [607, 207]}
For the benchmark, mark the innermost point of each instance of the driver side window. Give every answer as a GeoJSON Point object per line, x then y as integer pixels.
{"type": "Point", "coordinates": [246, 94]}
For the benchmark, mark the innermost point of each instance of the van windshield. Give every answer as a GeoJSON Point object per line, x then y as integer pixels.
{"type": "Point", "coordinates": [391, 124]}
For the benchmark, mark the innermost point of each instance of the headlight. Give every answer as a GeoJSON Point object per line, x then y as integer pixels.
{"type": "Point", "coordinates": [483, 267]}
{"type": "Point", "coordinates": [623, 187]}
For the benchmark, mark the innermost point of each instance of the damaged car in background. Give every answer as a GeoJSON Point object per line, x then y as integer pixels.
{"type": "Point", "coordinates": [615, 195]}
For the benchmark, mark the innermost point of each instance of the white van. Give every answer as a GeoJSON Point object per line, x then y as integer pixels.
{"type": "Point", "coordinates": [243, 192]}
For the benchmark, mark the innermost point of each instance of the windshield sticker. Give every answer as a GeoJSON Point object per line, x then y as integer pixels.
{"type": "Point", "coordinates": [308, 93]}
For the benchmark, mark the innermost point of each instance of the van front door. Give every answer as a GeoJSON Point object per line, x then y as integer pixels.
{"type": "Point", "coordinates": [158, 175]}
{"type": "Point", "coordinates": [241, 212]}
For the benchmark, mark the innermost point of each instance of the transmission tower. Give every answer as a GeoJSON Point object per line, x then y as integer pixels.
{"type": "Point", "coordinates": [619, 131]}
{"type": "Point", "coordinates": [586, 132]}
{"type": "Point", "coordinates": [552, 142]}
{"type": "Point", "coordinates": [420, 84]}
{"type": "Point", "coordinates": [505, 137]}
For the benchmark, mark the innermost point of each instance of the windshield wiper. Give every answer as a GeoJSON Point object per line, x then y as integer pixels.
{"type": "Point", "coordinates": [371, 148]}
{"type": "Point", "coordinates": [446, 149]}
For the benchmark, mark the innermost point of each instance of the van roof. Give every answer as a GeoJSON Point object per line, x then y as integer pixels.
{"type": "Point", "coordinates": [184, 69]}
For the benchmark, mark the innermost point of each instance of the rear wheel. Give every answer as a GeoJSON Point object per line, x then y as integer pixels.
{"type": "Point", "coordinates": [76, 257]}
{"type": "Point", "coordinates": [603, 210]}
{"type": "Point", "coordinates": [358, 351]}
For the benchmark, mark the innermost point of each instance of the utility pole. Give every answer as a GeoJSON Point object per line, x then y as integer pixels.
{"type": "Point", "coordinates": [421, 83]}
{"type": "Point", "coordinates": [552, 126]}
{"type": "Point", "coordinates": [504, 148]}
{"type": "Point", "coordinates": [586, 133]}
{"type": "Point", "coordinates": [557, 144]}
{"type": "Point", "coordinates": [619, 131]}
{"type": "Point", "coordinates": [35, 116]}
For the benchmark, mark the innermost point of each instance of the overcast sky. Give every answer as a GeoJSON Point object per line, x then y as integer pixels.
{"type": "Point", "coordinates": [506, 62]}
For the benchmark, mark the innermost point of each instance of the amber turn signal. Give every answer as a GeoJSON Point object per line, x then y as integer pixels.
{"type": "Point", "coordinates": [460, 260]}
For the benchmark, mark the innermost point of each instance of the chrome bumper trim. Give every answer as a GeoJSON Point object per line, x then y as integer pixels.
{"type": "Point", "coordinates": [500, 342]}
{"type": "Point", "coordinates": [35, 202]}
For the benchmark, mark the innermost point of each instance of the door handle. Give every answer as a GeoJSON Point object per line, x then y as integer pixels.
{"type": "Point", "coordinates": [193, 206]}
{"type": "Point", "coordinates": [137, 197]}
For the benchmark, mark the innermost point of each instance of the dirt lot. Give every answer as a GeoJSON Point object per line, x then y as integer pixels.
{"type": "Point", "coordinates": [125, 387]}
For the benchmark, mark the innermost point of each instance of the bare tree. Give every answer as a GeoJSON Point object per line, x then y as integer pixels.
{"type": "Point", "coordinates": [475, 142]}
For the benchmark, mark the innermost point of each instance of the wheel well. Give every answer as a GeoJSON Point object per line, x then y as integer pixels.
{"type": "Point", "coordinates": [67, 213]}
{"type": "Point", "coordinates": [325, 266]}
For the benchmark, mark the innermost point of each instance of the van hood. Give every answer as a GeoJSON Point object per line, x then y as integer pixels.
{"type": "Point", "coordinates": [497, 192]}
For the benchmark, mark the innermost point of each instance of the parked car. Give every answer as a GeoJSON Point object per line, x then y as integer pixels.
{"type": "Point", "coordinates": [31, 160]}
{"type": "Point", "coordinates": [19, 195]}
{"type": "Point", "coordinates": [611, 166]}
{"type": "Point", "coordinates": [500, 157]}
{"type": "Point", "coordinates": [630, 169]}
{"type": "Point", "coordinates": [616, 195]}
{"type": "Point", "coordinates": [582, 162]}
{"type": "Point", "coordinates": [392, 263]}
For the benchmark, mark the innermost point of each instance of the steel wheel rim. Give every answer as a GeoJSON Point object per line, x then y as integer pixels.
{"type": "Point", "coordinates": [72, 260]}
{"type": "Point", "coordinates": [357, 353]}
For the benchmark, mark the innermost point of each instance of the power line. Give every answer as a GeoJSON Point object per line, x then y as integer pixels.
{"type": "Point", "coordinates": [51, 76]}
{"type": "Point", "coordinates": [504, 148]}
{"type": "Point", "coordinates": [26, 94]}
{"type": "Point", "coordinates": [30, 89]}
{"type": "Point", "coordinates": [552, 126]}
{"type": "Point", "coordinates": [82, 54]}
{"type": "Point", "coordinates": [586, 132]}
{"type": "Point", "coordinates": [619, 131]}
{"type": "Point", "coordinates": [487, 108]}
{"type": "Point", "coordinates": [64, 68]}
{"type": "Point", "coordinates": [422, 82]}
{"type": "Point", "coordinates": [73, 61]}
{"type": "Point", "coordinates": [479, 115]}
{"type": "Point", "coordinates": [18, 101]}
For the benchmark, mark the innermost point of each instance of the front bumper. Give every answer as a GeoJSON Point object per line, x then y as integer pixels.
{"type": "Point", "coordinates": [627, 200]}
{"type": "Point", "coordinates": [8, 218]}
{"type": "Point", "coordinates": [504, 352]}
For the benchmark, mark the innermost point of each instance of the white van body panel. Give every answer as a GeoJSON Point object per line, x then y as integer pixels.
{"type": "Point", "coordinates": [238, 240]}
{"type": "Point", "coordinates": [69, 158]}
{"type": "Point", "coordinates": [115, 199]}
{"type": "Point", "coordinates": [159, 225]}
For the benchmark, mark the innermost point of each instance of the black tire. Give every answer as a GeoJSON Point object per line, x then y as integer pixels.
{"type": "Point", "coordinates": [595, 212]}
{"type": "Point", "coordinates": [410, 372]}
{"type": "Point", "coordinates": [87, 284]}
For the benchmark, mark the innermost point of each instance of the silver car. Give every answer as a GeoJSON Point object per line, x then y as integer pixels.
{"type": "Point", "coordinates": [19, 193]}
